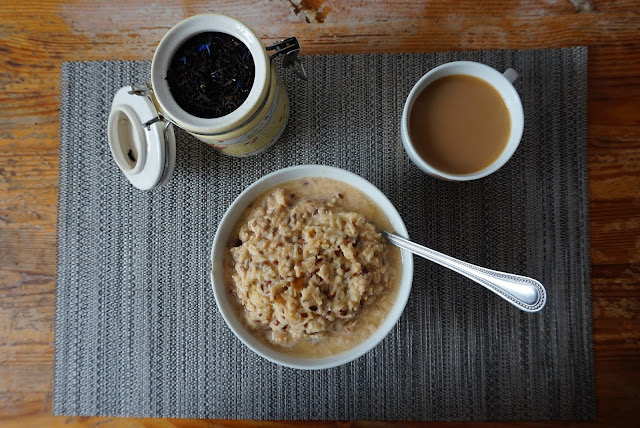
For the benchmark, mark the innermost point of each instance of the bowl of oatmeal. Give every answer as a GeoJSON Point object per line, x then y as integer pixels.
{"type": "Point", "coordinates": [300, 271]}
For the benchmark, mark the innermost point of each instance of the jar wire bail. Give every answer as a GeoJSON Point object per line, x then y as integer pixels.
{"type": "Point", "coordinates": [290, 48]}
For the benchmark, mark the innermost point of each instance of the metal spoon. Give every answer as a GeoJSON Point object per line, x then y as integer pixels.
{"type": "Point", "coordinates": [522, 292]}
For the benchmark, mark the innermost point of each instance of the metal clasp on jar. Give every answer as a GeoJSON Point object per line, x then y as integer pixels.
{"type": "Point", "coordinates": [145, 90]}
{"type": "Point", "coordinates": [290, 48]}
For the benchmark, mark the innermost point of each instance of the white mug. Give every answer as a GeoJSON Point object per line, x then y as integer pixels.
{"type": "Point", "coordinates": [501, 82]}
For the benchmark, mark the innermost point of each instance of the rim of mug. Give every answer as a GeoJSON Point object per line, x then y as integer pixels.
{"type": "Point", "coordinates": [175, 38]}
{"type": "Point", "coordinates": [507, 92]}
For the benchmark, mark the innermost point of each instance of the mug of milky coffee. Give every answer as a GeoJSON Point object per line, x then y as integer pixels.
{"type": "Point", "coordinates": [462, 121]}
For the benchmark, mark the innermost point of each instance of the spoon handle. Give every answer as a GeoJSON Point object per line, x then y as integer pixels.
{"type": "Point", "coordinates": [524, 293]}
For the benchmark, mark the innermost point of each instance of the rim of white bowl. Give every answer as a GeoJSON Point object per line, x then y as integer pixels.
{"type": "Point", "coordinates": [222, 235]}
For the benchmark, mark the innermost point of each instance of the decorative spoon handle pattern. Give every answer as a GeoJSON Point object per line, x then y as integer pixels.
{"type": "Point", "coordinates": [523, 292]}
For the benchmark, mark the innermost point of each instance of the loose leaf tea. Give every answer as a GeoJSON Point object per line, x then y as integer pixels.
{"type": "Point", "coordinates": [211, 74]}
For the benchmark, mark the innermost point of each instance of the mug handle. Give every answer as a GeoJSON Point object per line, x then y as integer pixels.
{"type": "Point", "coordinates": [510, 74]}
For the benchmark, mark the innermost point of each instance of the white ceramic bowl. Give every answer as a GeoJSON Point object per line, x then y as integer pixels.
{"type": "Point", "coordinates": [222, 237]}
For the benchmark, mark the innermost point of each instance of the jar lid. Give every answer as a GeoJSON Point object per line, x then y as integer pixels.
{"type": "Point", "coordinates": [143, 146]}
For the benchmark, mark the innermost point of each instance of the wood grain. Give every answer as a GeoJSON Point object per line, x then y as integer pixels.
{"type": "Point", "coordinates": [36, 36]}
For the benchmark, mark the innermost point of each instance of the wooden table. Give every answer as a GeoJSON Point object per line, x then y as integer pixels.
{"type": "Point", "coordinates": [36, 36]}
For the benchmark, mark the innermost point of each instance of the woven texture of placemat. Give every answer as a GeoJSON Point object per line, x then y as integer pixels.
{"type": "Point", "coordinates": [137, 328]}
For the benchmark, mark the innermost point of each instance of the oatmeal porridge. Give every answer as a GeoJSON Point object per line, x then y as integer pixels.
{"type": "Point", "coordinates": [308, 270]}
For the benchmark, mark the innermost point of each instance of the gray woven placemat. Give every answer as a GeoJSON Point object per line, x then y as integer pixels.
{"type": "Point", "coordinates": [137, 329]}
